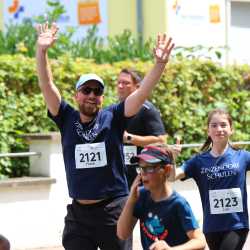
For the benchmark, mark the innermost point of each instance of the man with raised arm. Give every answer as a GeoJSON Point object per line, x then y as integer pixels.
{"type": "Point", "coordinates": [92, 147]}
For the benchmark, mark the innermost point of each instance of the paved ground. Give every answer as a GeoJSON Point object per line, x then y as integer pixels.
{"type": "Point", "coordinates": [137, 246]}
{"type": "Point", "coordinates": [136, 243]}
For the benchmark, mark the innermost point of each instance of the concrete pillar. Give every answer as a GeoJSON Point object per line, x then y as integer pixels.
{"type": "Point", "coordinates": [50, 161]}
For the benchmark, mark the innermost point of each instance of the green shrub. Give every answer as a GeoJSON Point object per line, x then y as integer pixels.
{"type": "Point", "coordinates": [187, 91]}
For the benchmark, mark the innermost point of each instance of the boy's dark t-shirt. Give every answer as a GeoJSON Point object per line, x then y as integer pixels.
{"type": "Point", "coordinates": [168, 220]}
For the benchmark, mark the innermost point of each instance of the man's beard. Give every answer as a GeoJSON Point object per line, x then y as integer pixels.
{"type": "Point", "coordinates": [89, 110]}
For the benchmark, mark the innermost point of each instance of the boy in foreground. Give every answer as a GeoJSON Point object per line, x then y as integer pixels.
{"type": "Point", "coordinates": [166, 218]}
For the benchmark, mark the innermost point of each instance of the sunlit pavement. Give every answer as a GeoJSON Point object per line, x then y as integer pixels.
{"type": "Point", "coordinates": [136, 243]}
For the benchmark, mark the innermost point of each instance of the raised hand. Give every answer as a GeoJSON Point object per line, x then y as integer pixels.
{"type": "Point", "coordinates": [163, 48]}
{"type": "Point", "coordinates": [134, 191]}
{"type": "Point", "coordinates": [177, 147]}
{"type": "Point", "coordinates": [46, 35]}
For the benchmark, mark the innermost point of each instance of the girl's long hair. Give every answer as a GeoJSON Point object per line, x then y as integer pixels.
{"type": "Point", "coordinates": [208, 143]}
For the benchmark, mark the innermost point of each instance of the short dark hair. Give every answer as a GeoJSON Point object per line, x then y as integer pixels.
{"type": "Point", "coordinates": [4, 243]}
{"type": "Point", "coordinates": [135, 75]}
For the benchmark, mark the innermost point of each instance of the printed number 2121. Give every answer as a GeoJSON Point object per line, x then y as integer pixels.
{"type": "Point", "coordinates": [90, 157]}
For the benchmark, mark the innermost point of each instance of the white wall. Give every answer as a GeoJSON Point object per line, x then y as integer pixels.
{"type": "Point", "coordinates": [190, 23]}
{"type": "Point", "coordinates": [239, 32]}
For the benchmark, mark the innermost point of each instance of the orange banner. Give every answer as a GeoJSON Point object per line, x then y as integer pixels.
{"type": "Point", "coordinates": [214, 13]}
{"type": "Point", "coordinates": [88, 13]}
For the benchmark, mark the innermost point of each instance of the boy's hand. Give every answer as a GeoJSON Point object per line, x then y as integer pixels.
{"type": "Point", "coordinates": [134, 190]}
{"type": "Point", "coordinates": [163, 48]}
{"type": "Point", "coordinates": [159, 245]}
{"type": "Point", "coordinates": [46, 35]}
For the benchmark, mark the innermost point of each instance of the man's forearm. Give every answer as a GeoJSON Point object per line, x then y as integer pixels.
{"type": "Point", "coordinates": [136, 99]}
{"type": "Point", "coordinates": [43, 68]}
{"type": "Point", "coordinates": [50, 92]}
{"type": "Point", "coordinates": [151, 79]}
{"type": "Point", "coordinates": [142, 141]}
{"type": "Point", "coordinates": [46, 38]}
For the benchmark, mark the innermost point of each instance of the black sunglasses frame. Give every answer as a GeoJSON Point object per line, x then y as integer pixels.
{"type": "Point", "coordinates": [87, 90]}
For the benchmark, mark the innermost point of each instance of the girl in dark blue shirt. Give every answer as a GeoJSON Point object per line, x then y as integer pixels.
{"type": "Point", "coordinates": [220, 174]}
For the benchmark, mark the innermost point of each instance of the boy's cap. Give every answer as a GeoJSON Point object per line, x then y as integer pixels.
{"type": "Point", "coordinates": [153, 155]}
{"type": "Point", "coordinates": [88, 77]}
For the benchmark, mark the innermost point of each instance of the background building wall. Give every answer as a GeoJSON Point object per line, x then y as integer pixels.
{"type": "Point", "coordinates": [154, 18]}
{"type": "Point", "coordinates": [27, 9]}
{"type": "Point", "coordinates": [238, 31]}
{"type": "Point", "coordinates": [211, 23]}
{"type": "Point", "coordinates": [194, 22]}
{"type": "Point", "coordinates": [121, 15]}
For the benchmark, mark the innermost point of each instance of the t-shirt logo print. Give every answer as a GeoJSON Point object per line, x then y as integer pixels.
{"type": "Point", "coordinates": [153, 228]}
{"type": "Point", "coordinates": [218, 171]}
{"type": "Point", "coordinates": [87, 134]}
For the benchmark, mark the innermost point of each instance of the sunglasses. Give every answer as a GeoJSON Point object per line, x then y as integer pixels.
{"type": "Point", "coordinates": [88, 90]}
{"type": "Point", "coordinates": [148, 169]}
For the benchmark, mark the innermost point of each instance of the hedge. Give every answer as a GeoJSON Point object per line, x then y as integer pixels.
{"type": "Point", "coordinates": [188, 90]}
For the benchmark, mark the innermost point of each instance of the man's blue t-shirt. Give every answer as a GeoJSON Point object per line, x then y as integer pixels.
{"type": "Point", "coordinates": [93, 152]}
{"type": "Point", "coordinates": [168, 220]}
{"type": "Point", "coordinates": [222, 186]}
